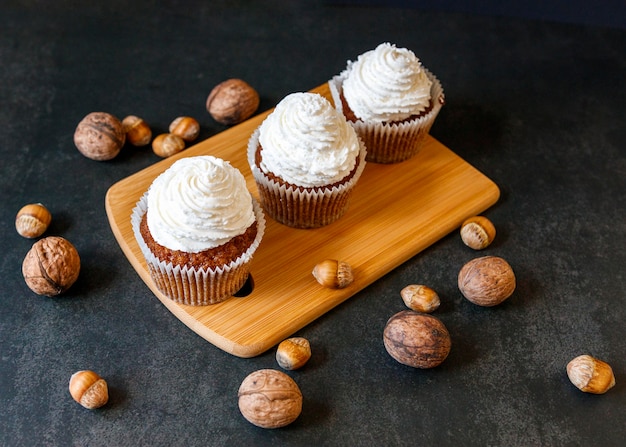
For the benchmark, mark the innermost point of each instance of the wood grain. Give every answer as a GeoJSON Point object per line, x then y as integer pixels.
{"type": "Point", "coordinates": [396, 212]}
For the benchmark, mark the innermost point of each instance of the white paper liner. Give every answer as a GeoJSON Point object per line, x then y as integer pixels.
{"type": "Point", "coordinates": [395, 142]}
{"type": "Point", "coordinates": [197, 287]}
{"type": "Point", "coordinates": [306, 208]}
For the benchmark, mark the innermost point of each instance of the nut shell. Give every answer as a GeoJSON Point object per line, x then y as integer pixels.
{"type": "Point", "coordinates": [89, 389]}
{"type": "Point", "coordinates": [185, 127]}
{"type": "Point", "coordinates": [478, 232]}
{"type": "Point", "coordinates": [420, 298]}
{"type": "Point", "coordinates": [590, 375]}
{"type": "Point", "coordinates": [333, 274]}
{"type": "Point", "coordinates": [293, 353]}
{"type": "Point", "coordinates": [487, 281]}
{"type": "Point", "coordinates": [138, 132]}
{"type": "Point", "coordinates": [51, 266]}
{"type": "Point", "coordinates": [167, 144]}
{"type": "Point", "coordinates": [32, 220]}
{"type": "Point", "coordinates": [232, 101]}
{"type": "Point", "coordinates": [269, 398]}
{"type": "Point", "coordinates": [416, 339]}
{"type": "Point", "coordinates": [99, 136]}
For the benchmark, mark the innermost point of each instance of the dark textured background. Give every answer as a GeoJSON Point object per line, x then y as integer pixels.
{"type": "Point", "coordinates": [536, 101]}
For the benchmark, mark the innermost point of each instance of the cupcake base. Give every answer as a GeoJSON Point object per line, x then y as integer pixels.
{"type": "Point", "coordinates": [391, 142]}
{"type": "Point", "coordinates": [300, 207]}
{"type": "Point", "coordinates": [196, 286]}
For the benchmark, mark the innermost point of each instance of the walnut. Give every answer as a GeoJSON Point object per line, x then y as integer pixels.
{"type": "Point", "coordinates": [232, 101]}
{"type": "Point", "coordinates": [416, 339]}
{"type": "Point", "coordinates": [99, 136]}
{"type": "Point", "coordinates": [486, 281]}
{"type": "Point", "coordinates": [51, 266]}
{"type": "Point", "coordinates": [269, 398]}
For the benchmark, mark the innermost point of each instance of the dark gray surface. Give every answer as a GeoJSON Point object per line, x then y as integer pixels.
{"type": "Point", "coordinates": [537, 106]}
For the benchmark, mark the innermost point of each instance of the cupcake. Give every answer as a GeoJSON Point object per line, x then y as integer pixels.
{"type": "Point", "coordinates": [390, 99]}
{"type": "Point", "coordinates": [306, 159]}
{"type": "Point", "coordinates": [198, 227]}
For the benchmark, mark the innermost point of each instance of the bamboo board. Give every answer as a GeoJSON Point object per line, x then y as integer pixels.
{"type": "Point", "coordinates": [396, 211]}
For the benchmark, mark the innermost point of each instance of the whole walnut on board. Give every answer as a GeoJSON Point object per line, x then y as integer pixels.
{"type": "Point", "coordinates": [51, 266]}
{"type": "Point", "coordinates": [417, 339]}
{"type": "Point", "coordinates": [232, 101]}
{"type": "Point", "coordinates": [99, 136]}
{"type": "Point", "coordinates": [269, 398]}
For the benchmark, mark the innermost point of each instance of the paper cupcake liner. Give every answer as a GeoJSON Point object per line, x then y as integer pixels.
{"type": "Point", "coordinates": [191, 286]}
{"type": "Point", "coordinates": [395, 142]}
{"type": "Point", "coordinates": [302, 208]}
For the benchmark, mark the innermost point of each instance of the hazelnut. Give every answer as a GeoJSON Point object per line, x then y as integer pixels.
{"type": "Point", "coordinates": [99, 136]}
{"type": "Point", "coordinates": [89, 389]}
{"type": "Point", "coordinates": [185, 127]}
{"type": "Point", "coordinates": [32, 220]}
{"type": "Point", "coordinates": [333, 274]}
{"type": "Point", "coordinates": [416, 339]}
{"type": "Point", "coordinates": [138, 132]}
{"type": "Point", "coordinates": [293, 353]}
{"type": "Point", "coordinates": [590, 375]}
{"type": "Point", "coordinates": [269, 398]}
{"type": "Point", "coordinates": [232, 101]}
{"type": "Point", "coordinates": [420, 298]}
{"type": "Point", "coordinates": [486, 281]}
{"type": "Point", "coordinates": [478, 232]}
{"type": "Point", "coordinates": [51, 266]}
{"type": "Point", "coordinates": [167, 144]}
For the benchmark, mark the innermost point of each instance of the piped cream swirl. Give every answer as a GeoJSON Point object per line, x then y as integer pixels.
{"type": "Point", "coordinates": [386, 84]}
{"type": "Point", "coordinates": [198, 203]}
{"type": "Point", "coordinates": [307, 142]}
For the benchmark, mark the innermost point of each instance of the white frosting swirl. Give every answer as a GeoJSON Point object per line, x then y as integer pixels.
{"type": "Point", "coordinates": [386, 84]}
{"type": "Point", "coordinates": [307, 142]}
{"type": "Point", "coordinates": [198, 203]}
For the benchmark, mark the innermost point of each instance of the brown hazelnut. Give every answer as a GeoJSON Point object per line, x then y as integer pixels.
{"type": "Point", "coordinates": [232, 101]}
{"type": "Point", "coordinates": [478, 232]}
{"type": "Point", "coordinates": [99, 136]}
{"type": "Point", "coordinates": [167, 144]}
{"type": "Point", "coordinates": [486, 281]}
{"type": "Point", "coordinates": [416, 339]}
{"type": "Point", "coordinates": [269, 398]}
{"type": "Point", "coordinates": [138, 132]}
{"type": "Point", "coordinates": [293, 353]}
{"type": "Point", "coordinates": [185, 127]}
{"type": "Point", "coordinates": [420, 298]}
{"type": "Point", "coordinates": [51, 266]}
{"type": "Point", "coordinates": [32, 220]}
{"type": "Point", "coordinates": [333, 274]}
{"type": "Point", "coordinates": [590, 375]}
{"type": "Point", "coordinates": [89, 389]}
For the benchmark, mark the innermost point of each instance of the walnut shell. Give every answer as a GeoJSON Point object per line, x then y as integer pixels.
{"type": "Point", "coordinates": [51, 266]}
{"type": "Point", "coordinates": [269, 398]}
{"type": "Point", "coordinates": [416, 339]}
{"type": "Point", "coordinates": [99, 136]}
{"type": "Point", "coordinates": [486, 281]}
{"type": "Point", "coordinates": [232, 101]}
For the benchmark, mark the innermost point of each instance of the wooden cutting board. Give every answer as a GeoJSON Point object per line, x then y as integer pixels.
{"type": "Point", "coordinates": [396, 211]}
